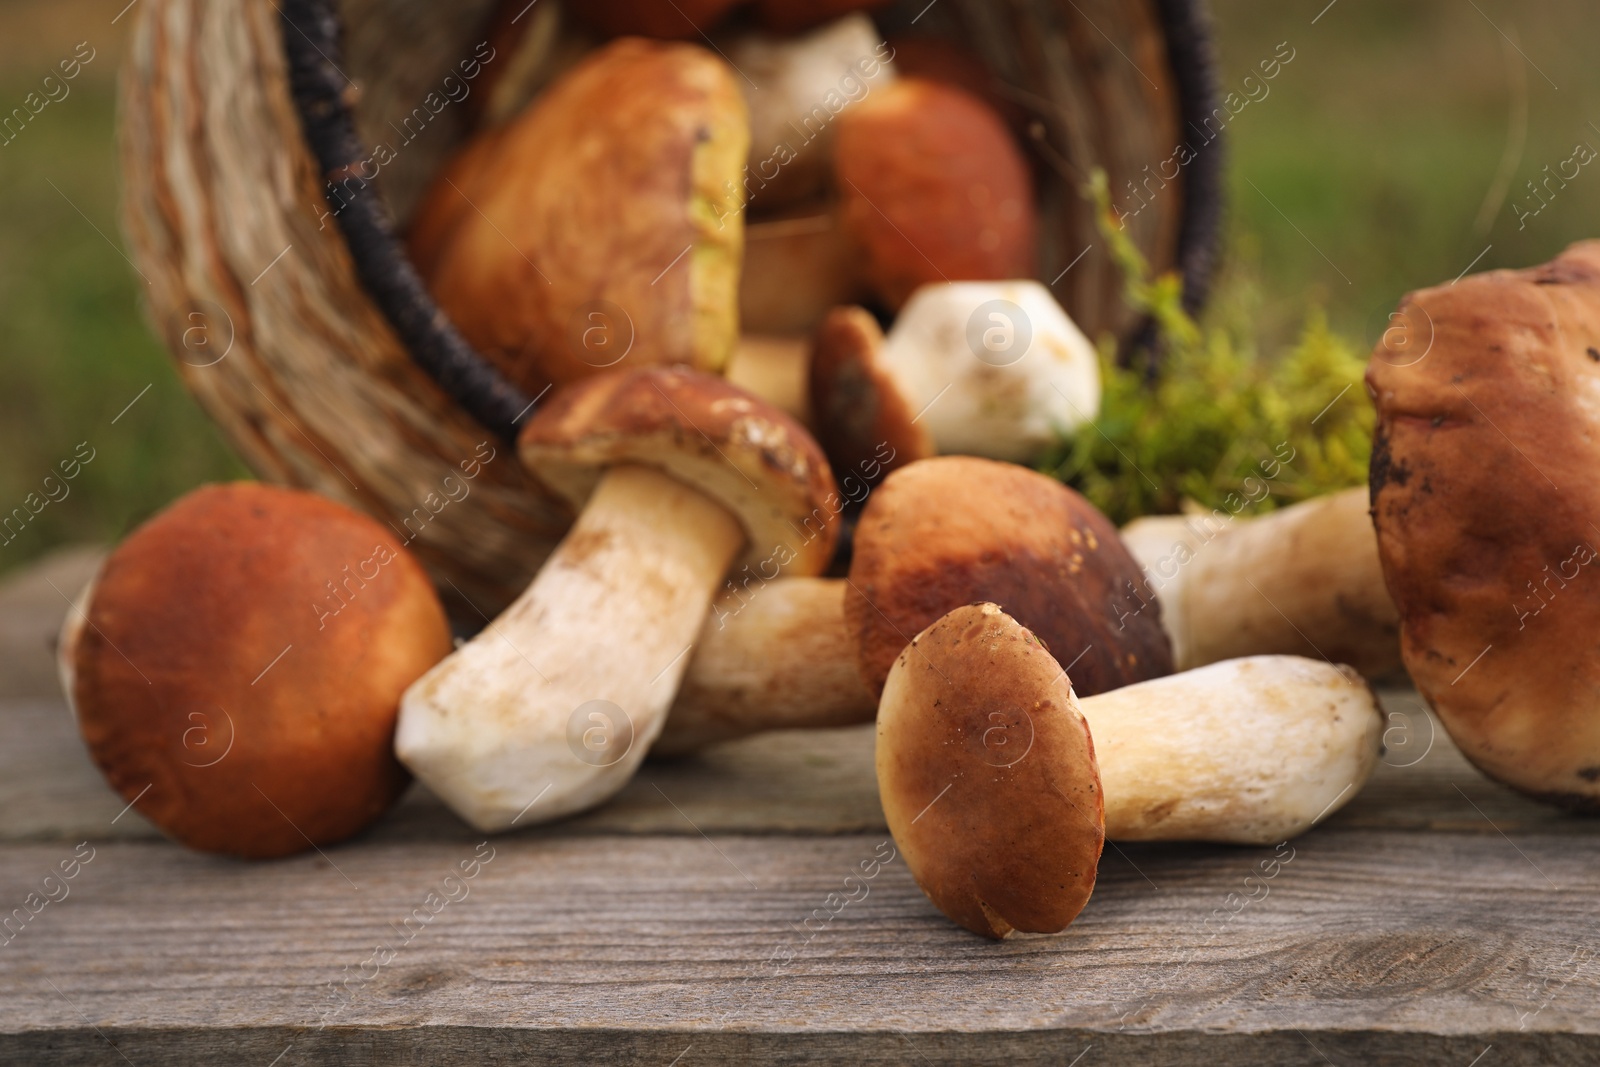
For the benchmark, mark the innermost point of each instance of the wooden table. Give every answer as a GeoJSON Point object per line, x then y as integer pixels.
{"type": "Point", "coordinates": [1438, 918]}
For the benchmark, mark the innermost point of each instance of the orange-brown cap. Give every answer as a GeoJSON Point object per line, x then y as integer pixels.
{"type": "Point", "coordinates": [753, 459]}
{"type": "Point", "coordinates": [604, 222]}
{"type": "Point", "coordinates": [868, 421]}
{"type": "Point", "coordinates": [987, 775]}
{"type": "Point", "coordinates": [1487, 507]}
{"type": "Point", "coordinates": [934, 189]}
{"type": "Point", "coordinates": [956, 529]}
{"type": "Point", "coordinates": [239, 665]}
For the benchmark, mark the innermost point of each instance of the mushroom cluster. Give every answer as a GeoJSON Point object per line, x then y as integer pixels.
{"type": "Point", "coordinates": [768, 276]}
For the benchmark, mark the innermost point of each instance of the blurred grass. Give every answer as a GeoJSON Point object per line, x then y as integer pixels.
{"type": "Point", "coordinates": [1359, 177]}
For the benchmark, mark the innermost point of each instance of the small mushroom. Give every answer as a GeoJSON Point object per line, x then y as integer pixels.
{"type": "Point", "coordinates": [1303, 580]}
{"type": "Point", "coordinates": [603, 223]}
{"type": "Point", "coordinates": [999, 784]}
{"type": "Point", "coordinates": [677, 474]}
{"type": "Point", "coordinates": [935, 535]}
{"type": "Point", "coordinates": [934, 188]}
{"type": "Point", "coordinates": [992, 369]}
{"type": "Point", "coordinates": [236, 665]}
{"type": "Point", "coordinates": [1487, 441]}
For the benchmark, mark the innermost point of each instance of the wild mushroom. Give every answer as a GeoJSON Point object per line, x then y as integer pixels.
{"type": "Point", "coordinates": [677, 474]}
{"type": "Point", "coordinates": [1303, 580]}
{"type": "Point", "coordinates": [935, 535]}
{"type": "Point", "coordinates": [602, 223]}
{"type": "Point", "coordinates": [797, 88]}
{"type": "Point", "coordinates": [934, 188]}
{"type": "Point", "coordinates": [1484, 451]}
{"type": "Point", "coordinates": [236, 665]}
{"type": "Point", "coordinates": [992, 369]}
{"type": "Point", "coordinates": [999, 784]}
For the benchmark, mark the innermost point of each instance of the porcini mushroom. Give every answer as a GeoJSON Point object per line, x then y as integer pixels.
{"type": "Point", "coordinates": [677, 474]}
{"type": "Point", "coordinates": [1482, 459]}
{"type": "Point", "coordinates": [935, 535]}
{"type": "Point", "coordinates": [934, 188]}
{"type": "Point", "coordinates": [602, 223]}
{"type": "Point", "coordinates": [1303, 580]}
{"type": "Point", "coordinates": [992, 369]}
{"type": "Point", "coordinates": [236, 665]}
{"type": "Point", "coordinates": [999, 784]}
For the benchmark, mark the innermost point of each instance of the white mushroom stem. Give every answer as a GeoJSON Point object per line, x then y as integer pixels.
{"type": "Point", "coordinates": [772, 656]}
{"type": "Point", "coordinates": [774, 369]}
{"type": "Point", "coordinates": [610, 617]}
{"type": "Point", "coordinates": [1249, 751]}
{"type": "Point", "coordinates": [1303, 580]}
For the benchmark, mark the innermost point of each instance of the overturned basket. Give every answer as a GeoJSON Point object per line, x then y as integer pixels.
{"type": "Point", "coordinates": [313, 343]}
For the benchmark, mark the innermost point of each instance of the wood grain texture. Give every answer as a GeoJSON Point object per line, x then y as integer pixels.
{"type": "Point", "coordinates": [1368, 948]}
{"type": "Point", "coordinates": [691, 917]}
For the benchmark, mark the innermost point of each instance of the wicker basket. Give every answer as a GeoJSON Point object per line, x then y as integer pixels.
{"type": "Point", "coordinates": [309, 337]}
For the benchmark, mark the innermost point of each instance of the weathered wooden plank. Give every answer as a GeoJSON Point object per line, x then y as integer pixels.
{"type": "Point", "coordinates": [1377, 947]}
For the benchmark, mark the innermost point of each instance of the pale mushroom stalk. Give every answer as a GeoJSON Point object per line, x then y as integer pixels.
{"type": "Point", "coordinates": [605, 625]}
{"type": "Point", "coordinates": [552, 707]}
{"type": "Point", "coordinates": [775, 369]}
{"type": "Point", "coordinates": [774, 657]}
{"type": "Point", "coordinates": [1248, 751]}
{"type": "Point", "coordinates": [1304, 580]}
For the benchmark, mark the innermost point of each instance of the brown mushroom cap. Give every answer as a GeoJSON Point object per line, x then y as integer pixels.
{"type": "Point", "coordinates": [241, 665]}
{"type": "Point", "coordinates": [753, 459]}
{"type": "Point", "coordinates": [605, 220]}
{"type": "Point", "coordinates": [870, 425]}
{"type": "Point", "coordinates": [957, 529]}
{"type": "Point", "coordinates": [987, 775]}
{"type": "Point", "coordinates": [1486, 504]}
{"type": "Point", "coordinates": [934, 188]}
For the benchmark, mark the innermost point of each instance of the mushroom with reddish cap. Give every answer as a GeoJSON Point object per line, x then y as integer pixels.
{"type": "Point", "coordinates": [236, 664]}
{"type": "Point", "coordinates": [935, 535]}
{"type": "Point", "coordinates": [1303, 580]}
{"type": "Point", "coordinates": [677, 474]}
{"type": "Point", "coordinates": [602, 223]}
{"type": "Point", "coordinates": [999, 784]}
{"type": "Point", "coordinates": [934, 188]}
{"type": "Point", "coordinates": [992, 369]}
{"type": "Point", "coordinates": [1482, 464]}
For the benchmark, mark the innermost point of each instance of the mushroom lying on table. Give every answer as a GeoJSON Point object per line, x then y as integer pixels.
{"type": "Point", "coordinates": [557, 701]}
{"type": "Point", "coordinates": [1303, 580]}
{"type": "Point", "coordinates": [935, 535]}
{"type": "Point", "coordinates": [992, 369]}
{"type": "Point", "coordinates": [999, 784]}
{"type": "Point", "coordinates": [236, 664]}
{"type": "Point", "coordinates": [1482, 471]}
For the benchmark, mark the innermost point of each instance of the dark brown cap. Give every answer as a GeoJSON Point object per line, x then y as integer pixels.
{"type": "Point", "coordinates": [955, 530]}
{"type": "Point", "coordinates": [239, 667]}
{"type": "Point", "coordinates": [987, 775]}
{"type": "Point", "coordinates": [1486, 500]}
{"type": "Point", "coordinates": [739, 450]}
{"type": "Point", "coordinates": [867, 422]}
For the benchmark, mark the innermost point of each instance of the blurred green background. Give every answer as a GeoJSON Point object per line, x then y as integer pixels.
{"type": "Point", "coordinates": [1390, 153]}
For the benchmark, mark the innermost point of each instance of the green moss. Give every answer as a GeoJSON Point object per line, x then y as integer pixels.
{"type": "Point", "coordinates": [1216, 412]}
